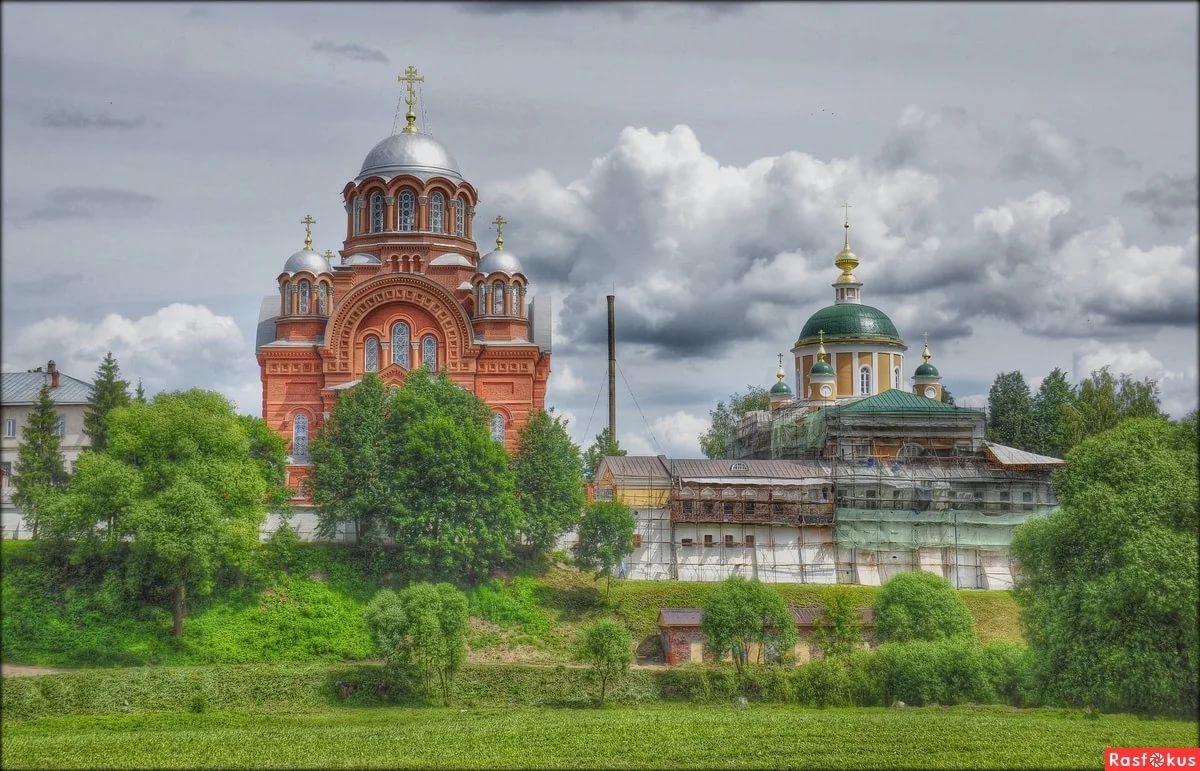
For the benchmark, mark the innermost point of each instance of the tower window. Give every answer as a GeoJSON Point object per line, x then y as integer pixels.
{"type": "Point", "coordinates": [406, 211]}
{"type": "Point", "coordinates": [460, 216]}
{"type": "Point", "coordinates": [437, 213]}
{"type": "Point", "coordinates": [291, 300]}
{"type": "Point", "coordinates": [896, 378]}
{"type": "Point", "coordinates": [323, 299]}
{"type": "Point", "coordinates": [377, 213]}
{"type": "Point", "coordinates": [300, 437]}
{"type": "Point", "coordinates": [429, 353]}
{"type": "Point", "coordinates": [400, 338]}
{"type": "Point", "coordinates": [481, 299]}
{"type": "Point", "coordinates": [864, 381]}
{"type": "Point", "coordinates": [371, 354]}
{"type": "Point", "coordinates": [497, 427]}
{"type": "Point", "coordinates": [304, 297]}
{"type": "Point", "coordinates": [497, 298]}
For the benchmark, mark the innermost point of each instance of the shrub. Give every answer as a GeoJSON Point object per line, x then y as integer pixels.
{"type": "Point", "coordinates": [943, 672]}
{"type": "Point", "coordinates": [740, 613]}
{"type": "Point", "coordinates": [770, 684]}
{"type": "Point", "coordinates": [604, 646]}
{"type": "Point", "coordinates": [421, 633]}
{"type": "Point", "coordinates": [921, 606]}
{"type": "Point", "coordinates": [823, 682]}
{"type": "Point", "coordinates": [1009, 669]}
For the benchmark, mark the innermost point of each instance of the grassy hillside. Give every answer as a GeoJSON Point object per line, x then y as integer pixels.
{"type": "Point", "coordinates": [307, 605]}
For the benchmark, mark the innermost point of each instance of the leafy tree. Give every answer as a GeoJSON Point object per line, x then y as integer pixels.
{"type": "Point", "coordinates": [605, 538]}
{"type": "Point", "coordinates": [947, 397]}
{"type": "Point", "coordinates": [351, 463]}
{"type": "Point", "coordinates": [739, 613]}
{"type": "Point", "coordinates": [604, 445]}
{"type": "Point", "coordinates": [178, 483]}
{"type": "Point", "coordinates": [1108, 584]}
{"type": "Point", "coordinates": [1054, 397]}
{"type": "Point", "coordinates": [40, 474]}
{"type": "Point", "coordinates": [840, 632]}
{"type": "Point", "coordinates": [604, 646]}
{"type": "Point", "coordinates": [714, 442]}
{"type": "Point", "coordinates": [421, 633]}
{"type": "Point", "coordinates": [108, 393]}
{"type": "Point", "coordinates": [452, 507]}
{"type": "Point", "coordinates": [270, 453]}
{"type": "Point", "coordinates": [140, 393]}
{"type": "Point", "coordinates": [1010, 411]}
{"type": "Point", "coordinates": [921, 606]}
{"type": "Point", "coordinates": [549, 480]}
{"type": "Point", "coordinates": [1104, 400]}
{"type": "Point", "coordinates": [1138, 398]}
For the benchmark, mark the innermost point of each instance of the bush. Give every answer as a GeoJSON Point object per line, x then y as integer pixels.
{"type": "Point", "coordinates": [921, 606]}
{"type": "Point", "coordinates": [1010, 671]}
{"type": "Point", "coordinates": [740, 613]}
{"type": "Point", "coordinates": [604, 646]}
{"type": "Point", "coordinates": [824, 682]}
{"type": "Point", "coordinates": [421, 633]}
{"type": "Point", "coordinates": [944, 672]}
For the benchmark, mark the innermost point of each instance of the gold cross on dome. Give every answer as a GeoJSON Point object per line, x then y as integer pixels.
{"type": "Point", "coordinates": [846, 207]}
{"type": "Point", "coordinates": [410, 78]}
{"type": "Point", "coordinates": [499, 222]}
{"type": "Point", "coordinates": [308, 222]}
{"type": "Point", "coordinates": [781, 361]}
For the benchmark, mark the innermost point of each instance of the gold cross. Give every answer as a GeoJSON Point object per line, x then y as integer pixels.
{"type": "Point", "coordinates": [781, 361]}
{"type": "Point", "coordinates": [308, 222]}
{"type": "Point", "coordinates": [411, 79]}
{"type": "Point", "coordinates": [499, 222]}
{"type": "Point", "coordinates": [846, 207]}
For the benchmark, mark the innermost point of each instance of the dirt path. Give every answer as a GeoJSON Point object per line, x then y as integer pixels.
{"type": "Point", "coordinates": [21, 670]}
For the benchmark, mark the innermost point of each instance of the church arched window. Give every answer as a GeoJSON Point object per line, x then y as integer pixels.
{"type": "Point", "coordinates": [400, 337]}
{"type": "Point", "coordinates": [437, 213]}
{"type": "Point", "coordinates": [322, 299]}
{"type": "Point", "coordinates": [460, 216]}
{"type": "Point", "coordinates": [480, 299]}
{"type": "Point", "coordinates": [498, 298]}
{"type": "Point", "coordinates": [371, 354]}
{"type": "Point", "coordinates": [300, 436]}
{"type": "Point", "coordinates": [291, 300]}
{"type": "Point", "coordinates": [304, 297]}
{"type": "Point", "coordinates": [896, 378]}
{"type": "Point", "coordinates": [406, 211]}
{"type": "Point", "coordinates": [497, 427]}
{"type": "Point", "coordinates": [429, 353]}
{"type": "Point", "coordinates": [377, 213]}
{"type": "Point", "coordinates": [864, 381]}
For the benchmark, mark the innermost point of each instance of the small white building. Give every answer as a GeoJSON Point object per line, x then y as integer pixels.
{"type": "Point", "coordinates": [18, 392]}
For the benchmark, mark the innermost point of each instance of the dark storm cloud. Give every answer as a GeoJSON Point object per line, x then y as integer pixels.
{"type": "Point", "coordinates": [1170, 199]}
{"type": "Point", "coordinates": [945, 141]}
{"type": "Point", "coordinates": [625, 10]}
{"type": "Point", "coordinates": [51, 284]}
{"type": "Point", "coordinates": [75, 119]}
{"type": "Point", "coordinates": [1042, 151]}
{"type": "Point", "coordinates": [352, 51]}
{"type": "Point", "coordinates": [84, 203]}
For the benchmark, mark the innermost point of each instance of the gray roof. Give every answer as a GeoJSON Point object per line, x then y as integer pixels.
{"type": "Point", "coordinates": [451, 258]}
{"type": "Point", "coordinates": [418, 154]}
{"type": "Point", "coordinates": [362, 258]}
{"type": "Point", "coordinates": [267, 313]}
{"type": "Point", "coordinates": [1011, 456]}
{"type": "Point", "coordinates": [499, 261]}
{"type": "Point", "coordinates": [635, 467]}
{"type": "Point", "coordinates": [803, 616]}
{"type": "Point", "coordinates": [306, 259]}
{"type": "Point", "coordinates": [716, 469]}
{"type": "Point", "coordinates": [23, 388]}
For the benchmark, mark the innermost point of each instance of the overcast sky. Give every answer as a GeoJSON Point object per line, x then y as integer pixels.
{"type": "Point", "coordinates": [1022, 179]}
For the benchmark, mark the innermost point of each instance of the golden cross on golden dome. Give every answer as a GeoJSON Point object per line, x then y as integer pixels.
{"type": "Point", "coordinates": [499, 222]}
{"type": "Point", "coordinates": [821, 351]}
{"type": "Point", "coordinates": [925, 353]}
{"type": "Point", "coordinates": [846, 208]}
{"type": "Point", "coordinates": [410, 78]}
{"type": "Point", "coordinates": [308, 222]}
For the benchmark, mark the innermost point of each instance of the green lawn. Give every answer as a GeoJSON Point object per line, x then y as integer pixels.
{"type": "Point", "coordinates": [628, 737]}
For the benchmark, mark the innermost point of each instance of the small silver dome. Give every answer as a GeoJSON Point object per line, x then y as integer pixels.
{"type": "Point", "coordinates": [362, 258]}
{"type": "Point", "coordinates": [306, 259]}
{"type": "Point", "coordinates": [417, 154]}
{"type": "Point", "coordinates": [499, 261]}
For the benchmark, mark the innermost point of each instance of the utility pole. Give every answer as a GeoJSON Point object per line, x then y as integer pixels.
{"type": "Point", "coordinates": [612, 369]}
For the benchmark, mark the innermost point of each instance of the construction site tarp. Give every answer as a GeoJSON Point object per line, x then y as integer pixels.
{"type": "Point", "coordinates": [891, 529]}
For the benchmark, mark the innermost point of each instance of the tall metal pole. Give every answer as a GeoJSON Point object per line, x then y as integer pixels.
{"type": "Point", "coordinates": [612, 369]}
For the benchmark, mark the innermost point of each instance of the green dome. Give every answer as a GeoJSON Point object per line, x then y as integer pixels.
{"type": "Point", "coordinates": [849, 320]}
{"type": "Point", "coordinates": [781, 388]}
{"type": "Point", "coordinates": [821, 368]}
{"type": "Point", "coordinates": [927, 370]}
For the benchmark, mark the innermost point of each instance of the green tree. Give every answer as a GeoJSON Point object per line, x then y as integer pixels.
{"type": "Point", "coordinates": [351, 463]}
{"type": "Point", "coordinates": [947, 397]}
{"type": "Point", "coordinates": [421, 632]}
{"type": "Point", "coordinates": [40, 474]}
{"type": "Point", "coordinates": [723, 419]}
{"type": "Point", "coordinates": [108, 393]}
{"type": "Point", "coordinates": [602, 446]}
{"type": "Point", "coordinates": [740, 613]}
{"type": "Point", "coordinates": [1138, 398]}
{"type": "Point", "coordinates": [1054, 397]}
{"type": "Point", "coordinates": [549, 480]}
{"type": "Point", "coordinates": [605, 538]}
{"type": "Point", "coordinates": [1103, 400]}
{"type": "Point", "coordinates": [921, 606]}
{"type": "Point", "coordinates": [268, 450]}
{"type": "Point", "coordinates": [839, 632]}
{"type": "Point", "coordinates": [452, 506]}
{"type": "Point", "coordinates": [140, 393]}
{"type": "Point", "coordinates": [1010, 411]}
{"type": "Point", "coordinates": [176, 481]}
{"type": "Point", "coordinates": [1108, 584]}
{"type": "Point", "coordinates": [604, 646]}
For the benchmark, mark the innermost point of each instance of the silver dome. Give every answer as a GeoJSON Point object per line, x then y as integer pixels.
{"type": "Point", "coordinates": [417, 154]}
{"type": "Point", "coordinates": [362, 258]}
{"type": "Point", "coordinates": [306, 259]}
{"type": "Point", "coordinates": [499, 261]}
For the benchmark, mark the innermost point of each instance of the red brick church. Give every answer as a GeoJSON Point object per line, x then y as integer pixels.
{"type": "Point", "coordinates": [407, 289]}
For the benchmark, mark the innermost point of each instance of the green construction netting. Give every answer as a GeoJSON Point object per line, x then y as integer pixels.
{"type": "Point", "coordinates": [895, 529]}
{"type": "Point", "coordinates": [789, 437]}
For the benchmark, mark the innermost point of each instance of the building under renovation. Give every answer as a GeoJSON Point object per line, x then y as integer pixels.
{"type": "Point", "coordinates": [852, 480]}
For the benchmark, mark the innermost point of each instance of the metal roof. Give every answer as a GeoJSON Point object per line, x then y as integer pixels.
{"type": "Point", "coordinates": [453, 259]}
{"type": "Point", "coordinates": [634, 466]}
{"type": "Point", "coordinates": [804, 616]}
{"type": "Point", "coordinates": [1011, 456]}
{"type": "Point", "coordinates": [268, 311]}
{"type": "Point", "coordinates": [894, 400]}
{"type": "Point", "coordinates": [418, 154]}
{"type": "Point", "coordinates": [23, 388]}
{"type": "Point", "coordinates": [694, 468]}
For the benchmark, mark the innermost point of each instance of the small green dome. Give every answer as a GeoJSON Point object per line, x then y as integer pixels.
{"type": "Point", "coordinates": [850, 320]}
{"type": "Point", "coordinates": [927, 370]}
{"type": "Point", "coordinates": [781, 389]}
{"type": "Point", "coordinates": [821, 368]}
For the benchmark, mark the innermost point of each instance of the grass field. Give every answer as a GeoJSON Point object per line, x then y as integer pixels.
{"type": "Point", "coordinates": [626, 737]}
